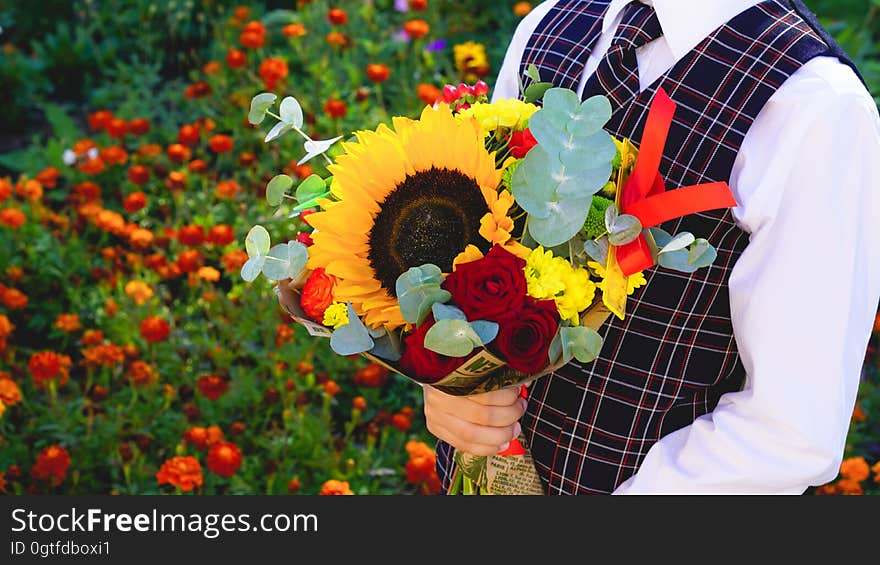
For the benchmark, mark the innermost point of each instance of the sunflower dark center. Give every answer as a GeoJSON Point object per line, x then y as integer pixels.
{"type": "Point", "coordinates": [430, 217]}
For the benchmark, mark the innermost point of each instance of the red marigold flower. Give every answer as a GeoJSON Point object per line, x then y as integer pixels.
{"type": "Point", "coordinates": [154, 329]}
{"type": "Point", "coordinates": [196, 90]}
{"type": "Point", "coordinates": [189, 260]}
{"type": "Point", "coordinates": [13, 298]}
{"type": "Point", "coordinates": [99, 120]}
{"type": "Point", "coordinates": [294, 30]}
{"type": "Point", "coordinates": [273, 70]}
{"type": "Point", "coordinates": [378, 72]}
{"type": "Point", "coordinates": [418, 5]}
{"type": "Point", "coordinates": [294, 486]}
{"type": "Point", "coordinates": [359, 403]}
{"type": "Point", "coordinates": [224, 459]}
{"type": "Point", "coordinates": [12, 217]}
{"type": "Point", "coordinates": [334, 487]}
{"type": "Point", "coordinates": [227, 190]}
{"type": "Point", "coordinates": [233, 260]}
{"type": "Point", "coordinates": [203, 438]}
{"type": "Point", "coordinates": [67, 322]}
{"type": "Point", "coordinates": [337, 16]}
{"type": "Point", "coordinates": [335, 108]}
{"type": "Point", "coordinates": [139, 174]}
{"type": "Point", "coordinates": [139, 126]}
{"type": "Point", "coordinates": [221, 235]}
{"type": "Point", "coordinates": [253, 35]}
{"type": "Point", "coordinates": [212, 386]}
{"type": "Point", "coordinates": [220, 143]}
{"type": "Point", "coordinates": [373, 375]}
{"type": "Point", "coordinates": [134, 202]}
{"type": "Point", "coordinates": [401, 421]}
{"type": "Point", "coordinates": [317, 294]}
{"type": "Point", "coordinates": [117, 127]}
{"type": "Point", "coordinates": [105, 355]}
{"type": "Point", "coordinates": [46, 366]}
{"type": "Point", "coordinates": [178, 153]}
{"type": "Point", "coordinates": [331, 388]}
{"type": "Point", "coordinates": [92, 166]}
{"type": "Point", "coordinates": [5, 189]}
{"type": "Point", "coordinates": [140, 373]}
{"type": "Point", "coordinates": [191, 236]}
{"type": "Point", "coordinates": [92, 337]}
{"type": "Point", "coordinates": [51, 465]}
{"type": "Point", "coordinates": [188, 135]}
{"type": "Point", "coordinates": [428, 93]}
{"type": "Point", "coordinates": [184, 473]}
{"type": "Point", "coordinates": [338, 39]}
{"type": "Point", "coordinates": [48, 177]}
{"type": "Point", "coordinates": [416, 29]}
{"type": "Point", "coordinates": [235, 58]}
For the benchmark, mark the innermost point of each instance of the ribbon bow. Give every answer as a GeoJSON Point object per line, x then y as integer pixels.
{"type": "Point", "coordinates": [644, 194]}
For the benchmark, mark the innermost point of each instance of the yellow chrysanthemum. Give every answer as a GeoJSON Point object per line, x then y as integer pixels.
{"type": "Point", "coordinates": [404, 197]}
{"type": "Point", "coordinates": [554, 278]}
{"type": "Point", "coordinates": [632, 282]}
{"type": "Point", "coordinates": [507, 113]}
{"type": "Point", "coordinates": [578, 295]}
{"type": "Point", "coordinates": [336, 315]}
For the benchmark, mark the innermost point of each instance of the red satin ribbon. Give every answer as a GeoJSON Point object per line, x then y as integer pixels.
{"type": "Point", "coordinates": [645, 197]}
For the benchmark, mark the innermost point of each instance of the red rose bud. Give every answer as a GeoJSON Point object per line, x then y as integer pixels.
{"type": "Point", "coordinates": [492, 288]}
{"type": "Point", "coordinates": [317, 294]}
{"type": "Point", "coordinates": [524, 341]}
{"type": "Point", "coordinates": [423, 364]}
{"type": "Point", "coordinates": [521, 142]}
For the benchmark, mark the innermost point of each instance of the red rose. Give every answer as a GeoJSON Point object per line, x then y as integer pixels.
{"type": "Point", "coordinates": [492, 288]}
{"type": "Point", "coordinates": [521, 143]}
{"type": "Point", "coordinates": [524, 341]}
{"type": "Point", "coordinates": [317, 294]}
{"type": "Point", "coordinates": [423, 364]}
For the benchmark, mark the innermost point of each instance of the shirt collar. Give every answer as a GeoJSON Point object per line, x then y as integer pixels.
{"type": "Point", "coordinates": [685, 23]}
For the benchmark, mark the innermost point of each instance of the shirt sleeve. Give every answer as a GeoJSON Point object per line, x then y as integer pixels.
{"type": "Point", "coordinates": [803, 296]}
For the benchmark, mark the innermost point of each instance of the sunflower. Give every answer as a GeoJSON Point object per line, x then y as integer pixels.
{"type": "Point", "coordinates": [420, 192]}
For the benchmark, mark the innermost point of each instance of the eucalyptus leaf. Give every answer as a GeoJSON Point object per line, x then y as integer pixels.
{"type": "Point", "coordinates": [276, 189]}
{"type": "Point", "coordinates": [584, 153]}
{"type": "Point", "coordinates": [352, 338]}
{"type": "Point", "coordinates": [386, 346]}
{"type": "Point", "coordinates": [661, 237]}
{"type": "Point", "coordinates": [446, 312]}
{"type": "Point", "coordinates": [252, 268]}
{"type": "Point", "coordinates": [285, 260]}
{"type": "Point", "coordinates": [566, 220]}
{"type": "Point", "coordinates": [677, 261]}
{"type": "Point", "coordinates": [611, 214]}
{"type": "Point", "coordinates": [561, 105]}
{"type": "Point", "coordinates": [554, 353]}
{"type": "Point", "coordinates": [530, 185]}
{"type": "Point", "coordinates": [591, 116]}
{"type": "Point", "coordinates": [291, 112]}
{"type": "Point", "coordinates": [583, 343]}
{"type": "Point", "coordinates": [257, 241]}
{"type": "Point", "coordinates": [679, 242]}
{"type": "Point", "coordinates": [597, 249]}
{"type": "Point", "coordinates": [418, 276]}
{"type": "Point", "coordinates": [417, 301]}
{"type": "Point", "coordinates": [278, 130]}
{"type": "Point", "coordinates": [314, 148]}
{"type": "Point", "coordinates": [260, 104]}
{"type": "Point", "coordinates": [702, 254]}
{"type": "Point", "coordinates": [624, 230]}
{"type": "Point", "coordinates": [487, 331]}
{"type": "Point", "coordinates": [453, 338]}
{"type": "Point", "coordinates": [311, 188]}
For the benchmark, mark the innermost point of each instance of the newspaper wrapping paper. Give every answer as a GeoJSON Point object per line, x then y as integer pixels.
{"type": "Point", "coordinates": [482, 372]}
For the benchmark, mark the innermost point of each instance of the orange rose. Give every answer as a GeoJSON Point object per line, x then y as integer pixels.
{"type": "Point", "coordinates": [317, 294]}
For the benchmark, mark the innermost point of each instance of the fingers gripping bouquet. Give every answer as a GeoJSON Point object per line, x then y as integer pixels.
{"type": "Point", "coordinates": [480, 246]}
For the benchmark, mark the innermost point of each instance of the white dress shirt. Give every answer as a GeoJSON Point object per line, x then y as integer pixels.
{"type": "Point", "coordinates": [803, 294]}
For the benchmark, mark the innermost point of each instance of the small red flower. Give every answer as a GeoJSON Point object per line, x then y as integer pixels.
{"type": "Point", "coordinates": [377, 73]}
{"type": "Point", "coordinates": [224, 459]}
{"type": "Point", "coordinates": [155, 330]}
{"type": "Point", "coordinates": [184, 473]}
{"type": "Point", "coordinates": [51, 465]}
{"type": "Point", "coordinates": [220, 143]}
{"type": "Point", "coordinates": [212, 386]}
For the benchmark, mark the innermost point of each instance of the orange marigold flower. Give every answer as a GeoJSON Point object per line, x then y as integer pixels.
{"type": "Point", "coordinates": [5, 189]}
{"type": "Point", "coordinates": [114, 155]}
{"type": "Point", "coordinates": [371, 376]}
{"type": "Point", "coordinates": [876, 470]}
{"type": "Point", "coordinates": [334, 487]}
{"type": "Point", "coordinates": [338, 39]}
{"type": "Point", "coordinates": [359, 403]}
{"type": "Point", "coordinates": [116, 128]}
{"type": "Point", "coordinates": [139, 126]}
{"type": "Point", "coordinates": [337, 16]}
{"type": "Point", "coordinates": [67, 322]}
{"type": "Point", "coordinates": [191, 236]}
{"type": "Point", "coordinates": [401, 421]}
{"type": "Point", "coordinates": [196, 90]}
{"type": "Point", "coordinates": [377, 73]}
{"type": "Point", "coordinates": [51, 465]}
{"type": "Point", "coordinates": [189, 260]}
{"type": "Point", "coordinates": [15, 273]}
{"type": "Point", "coordinates": [211, 67]}
{"type": "Point", "coordinates": [224, 459]}
{"type": "Point", "coordinates": [12, 217]}
{"type": "Point", "coordinates": [189, 135]}
{"type": "Point", "coordinates": [83, 146]}
{"type": "Point", "coordinates": [109, 221]}
{"type": "Point", "coordinates": [178, 153]}
{"type": "Point", "coordinates": [235, 58]}
{"type": "Point", "coordinates": [140, 373]}
{"type": "Point", "coordinates": [849, 486]}
{"type": "Point", "coordinates": [203, 438]}
{"type": "Point", "coordinates": [92, 337]}
{"type": "Point", "coordinates": [134, 202]}
{"type": "Point", "coordinates": [416, 29]}
{"type": "Point", "coordinates": [209, 274]}
{"type": "Point", "coordinates": [283, 334]}
{"type": "Point", "coordinates": [428, 93]}
{"type": "Point", "coordinates": [6, 326]}
{"type": "Point", "coordinates": [421, 467]}
{"type": "Point", "coordinates": [335, 108]}
{"type": "Point", "coordinates": [212, 386]}
{"type": "Point", "coordinates": [46, 366]}
{"type": "Point", "coordinates": [154, 329]}
{"type": "Point", "coordinates": [105, 355]}
{"type": "Point", "coordinates": [241, 12]}
{"type": "Point", "coordinates": [181, 472]}
{"type": "Point", "coordinates": [294, 30]}
{"type": "Point", "coordinates": [99, 120]}
{"type": "Point", "coordinates": [10, 394]}
{"type": "Point", "coordinates": [150, 150]}
{"type": "Point", "coordinates": [294, 486]}
{"type": "Point", "coordinates": [85, 192]}
{"type": "Point", "coordinates": [227, 190]}
{"type": "Point", "coordinates": [522, 9]}
{"type": "Point", "coordinates": [220, 143]}
{"type": "Point", "coordinates": [221, 235]}
{"type": "Point", "coordinates": [253, 35]}
{"type": "Point", "coordinates": [141, 238]}
{"type": "Point", "coordinates": [331, 388]}
{"type": "Point", "coordinates": [139, 174]}
{"type": "Point", "coordinates": [13, 298]}
{"type": "Point", "coordinates": [858, 414]}
{"type": "Point", "coordinates": [48, 177]}
{"type": "Point", "coordinates": [30, 189]}
{"type": "Point", "coordinates": [233, 260]}
{"type": "Point", "coordinates": [272, 70]}
{"type": "Point", "coordinates": [175, 181]}
{"type": "Point", "coordinates": [855, 468]}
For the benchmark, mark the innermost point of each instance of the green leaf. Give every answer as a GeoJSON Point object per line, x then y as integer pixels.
{"type": "Point", "coordinates": [561, 105]}
{"type": "Point", "coordinates": [453, 338]}
{"type": "Point", "coordinates": [702, 254]}
{"type": "Point", "coordinates": [583, 343]}
{"type": "Point", "coordinates": [590, 117]}
{"type": "Point", "coordinates": [252, 267]}
{"type": "Point", "coordinates": [277, 188]}
{"type": "Point", "coordinates": [530, 185]}
{"type": "Point", "coordinates": [624, 229]}
{"type": "Point", "coordinates": [418, 276]}
{"type": "Point", "coordinates": [260, 104]}
{"type": "Point", "coordinates": [597, 249]}
{"type": "Point", "coordinates": [567, 219]}
{"type": "Point", "coordinates": [257, 241]}
{"type": "Point", "coordinates": [445, 312]}
{"type": "Point", "coordinates": [285, 260]}
{"type": "Point", "coordinates": [533, 73]}
{"type": "Point", "coordinates": [417, 301]}
{"type": "Point", "coordinates": [291, 112]}
{"type": "Point", "coordinates": [353, 338]}
{"type": "Point", "coordinates": [63, 125]}
{"type": "Point", "coordinates": [536, 91]}
{"type": "Point", "coordinates": [678, 242]}
{"type": "Point", "coordinates": [487, 331]}
{"type": "Point", "coordinates": [310, 189]}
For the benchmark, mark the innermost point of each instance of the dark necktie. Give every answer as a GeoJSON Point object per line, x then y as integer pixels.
{"type": "Point", "coordinates": [617, 75]}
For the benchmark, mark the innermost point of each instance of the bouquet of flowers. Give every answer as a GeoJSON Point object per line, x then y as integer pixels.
{"type": "Point", "coordinates": [479, 246]}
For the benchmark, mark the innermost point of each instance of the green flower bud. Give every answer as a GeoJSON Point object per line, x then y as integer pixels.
{"type": "Point", "coordinates": [594, 227]}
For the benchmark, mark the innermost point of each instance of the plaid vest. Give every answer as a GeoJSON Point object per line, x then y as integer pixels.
{"type": "Point", "coordinates": [590, 426]}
